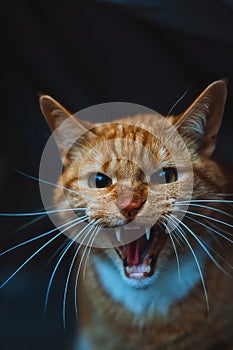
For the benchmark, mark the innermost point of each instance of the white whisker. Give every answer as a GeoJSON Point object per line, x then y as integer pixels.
{"type": "Point", "coordinates": [30, 223]}
{"type": "Point", "coordinates": [41, 212]}
{"type": "Point", "coordinates": [79, 269]}
{"type": "Point", "coordinates": [55, 185]}
{"type": "Point", "coordinates": [208, 207]}
{"type": "Point", "coordinates": [215, 252]}
{"type": "Point", "coordinates": [34, 254]}
{"type": "Point", "coordinates": [222, 230]}
{"type": "Point", "coordinates": [175, 250]}
{"type": "Point", "coordinates": [82, 218]}
{"type": "Point", "coordinates": [179, 99]}
{"type": "Point", "coordinates": [179, 229]}
{"type": "Point", "coordinates": [206, 217]}
{"type": "Point", "coordinates": [95, 233]}
{"type": "Point", "coordinates": [85, 234]}
{"type": "Point", "coordinates": [205, 200]}
{"type": "Point", "coordinates": [209, 228]}
{"type": "Point", "coordinates": [203, 246]}
{"type": "Point", "coordinates": [60, 259]}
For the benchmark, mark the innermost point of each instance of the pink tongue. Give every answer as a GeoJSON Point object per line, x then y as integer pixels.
{"type": "Point", "coordinates": [133, 253]}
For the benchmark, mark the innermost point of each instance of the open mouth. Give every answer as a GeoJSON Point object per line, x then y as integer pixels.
{"type": "Point", "coordinates": [140, 256]}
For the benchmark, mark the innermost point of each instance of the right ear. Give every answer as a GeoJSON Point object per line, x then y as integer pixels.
{"type": "Point", "coordinates": [65, 127]}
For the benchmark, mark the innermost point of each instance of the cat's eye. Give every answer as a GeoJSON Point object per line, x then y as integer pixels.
{"type": "Point", "coordinates": [165, 175]}
{"type": "Point", "coordinates": [99, 180]}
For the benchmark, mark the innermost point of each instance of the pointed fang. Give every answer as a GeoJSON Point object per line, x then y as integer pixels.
{"type": "Point", "coordinates": [118, 235]}
{"type": "Point", "coordinates": [148, 234]}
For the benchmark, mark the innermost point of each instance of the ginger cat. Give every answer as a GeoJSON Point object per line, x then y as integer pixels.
{"type": "Point", "coordinates": [155, 245]}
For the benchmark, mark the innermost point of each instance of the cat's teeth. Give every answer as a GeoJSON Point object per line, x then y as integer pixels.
{"type": "Point", "coordinates": [118, 235]}
{"type": "Point", "coordinates": [148, 234]}
{"type": "Point", "coordinates": [129, 269]}
{"type": "Point", "coordinates": [147, 268]}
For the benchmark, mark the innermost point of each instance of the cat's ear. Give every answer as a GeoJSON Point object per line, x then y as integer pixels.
{"type": "Point", "coordinates": [65, 127]}
{"type": "Point", "coordinates": [200, 123]}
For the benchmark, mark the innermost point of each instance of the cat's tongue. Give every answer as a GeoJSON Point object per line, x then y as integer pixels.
{"type": "Point", "coordinates": [140, 256]}
{"type": "Point", "coordinates": [138, 264]}
{"type": "Point", "coordinates": [134, 251]}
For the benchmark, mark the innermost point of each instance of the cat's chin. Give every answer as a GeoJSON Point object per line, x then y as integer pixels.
{"type": "Point", "coordinates": [140, 256]}
{"type": "Point", "coordinates": [140, 283]}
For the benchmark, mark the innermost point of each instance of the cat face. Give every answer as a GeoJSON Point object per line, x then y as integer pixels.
{"type": "Point", "coordinates": [135, 177]}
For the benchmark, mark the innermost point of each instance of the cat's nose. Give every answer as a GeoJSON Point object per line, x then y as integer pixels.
{"type": "Point", "coordinates": [129, 208]}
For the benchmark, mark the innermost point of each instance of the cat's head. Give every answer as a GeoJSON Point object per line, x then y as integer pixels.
{"type": "Point", "coordinates": [134, 178]}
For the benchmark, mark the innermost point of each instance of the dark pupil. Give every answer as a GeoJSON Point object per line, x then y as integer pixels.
{"type": "Point", "coordinates": [166, 175]}
{"type": "Point", "coordinates": [102, 180]}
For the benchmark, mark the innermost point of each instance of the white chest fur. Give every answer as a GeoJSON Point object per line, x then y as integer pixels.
{"type": "Point", "coordinates": [165, 289]}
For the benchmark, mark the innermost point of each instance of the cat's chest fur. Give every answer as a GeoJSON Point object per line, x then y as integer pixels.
{"type": "Point", "coordinates": [168, 287]}
{"type": "Point", "coordinates": [170, 314]}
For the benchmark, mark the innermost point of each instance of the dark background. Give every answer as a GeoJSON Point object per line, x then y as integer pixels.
{"type": "Point", "coordinates": [85, 53]}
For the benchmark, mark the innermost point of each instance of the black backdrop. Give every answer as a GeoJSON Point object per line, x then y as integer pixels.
{"type": "Point", "coordinates": [85, 53]}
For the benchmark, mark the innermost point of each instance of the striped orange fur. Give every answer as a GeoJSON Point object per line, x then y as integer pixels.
{"type": "Point", "coordinates": [171, 287]}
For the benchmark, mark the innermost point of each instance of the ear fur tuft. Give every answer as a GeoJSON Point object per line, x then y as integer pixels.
{"type": "Point", "coordinates": [65, 127]}
{"type": "Point", "coordinates": [200, 123]}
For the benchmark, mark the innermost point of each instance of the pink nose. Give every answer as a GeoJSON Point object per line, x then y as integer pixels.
{"type": "Point", "coordinates": [129, 208]}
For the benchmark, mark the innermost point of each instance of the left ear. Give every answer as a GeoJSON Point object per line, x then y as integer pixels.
{"type": "Point", "coordinates": [64, 126]}
{"type": "Point", "coordinates": [200, 123]}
